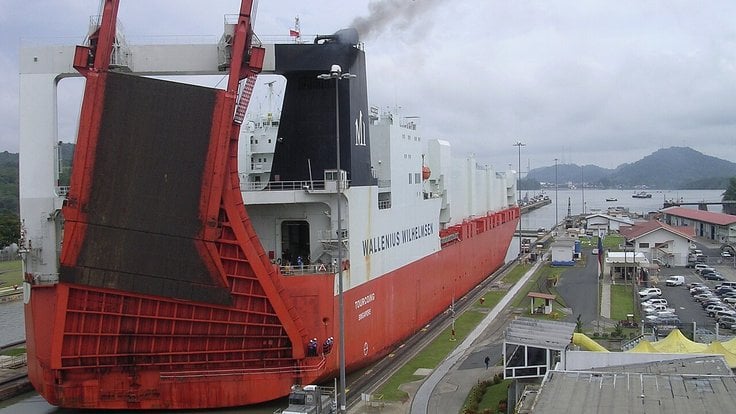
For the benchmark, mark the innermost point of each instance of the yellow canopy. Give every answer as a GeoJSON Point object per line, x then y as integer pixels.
{"type": "Point", "coordinates": [677, 343]}
{"type": "Point", "coordinates": [586, 343]}
{"type": "Point", "coordinates": [717, 348]}
{"type": "Point", "coordinates": [644, 347]}
{"type": "Point", "coordinates": [730, 345]}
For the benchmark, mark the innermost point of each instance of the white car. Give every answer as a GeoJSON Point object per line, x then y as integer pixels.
{"type": "Point", "coordinates": [726, 253]}
{"type": "Point", "coordinates": [650, 291]}
{"type": "Point", "coordinates": [675, 281]}
{"type": "Point", "coordinates": [654, 301]}
{"type": "Point", "coordinates": [729, 299]}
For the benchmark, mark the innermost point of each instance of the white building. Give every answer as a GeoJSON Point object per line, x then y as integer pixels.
{"type": "Point", "coordinates": [563, 250]}
{"type": "Point", "coordinates": [714, 226]}
{"type": "Point", "coordinates": [602, 224]}
{"type": "Point", "coordinates": [659, 242]}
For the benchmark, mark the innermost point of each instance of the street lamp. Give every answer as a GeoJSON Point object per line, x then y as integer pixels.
{"type": "Point", "coordinates": [336, 74]}
{"type": "Point", "coordinates": [556, 220]}
{"type": "Point", "coordinates": [518, 201]}
{"type": "Point", "coordinates": [582, 186]}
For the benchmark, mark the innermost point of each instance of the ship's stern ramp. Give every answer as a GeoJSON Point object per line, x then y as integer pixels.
{"type": "Point", "coordinates": [166, 299]}
{"type": "Point", "coordinates": [140, 221]}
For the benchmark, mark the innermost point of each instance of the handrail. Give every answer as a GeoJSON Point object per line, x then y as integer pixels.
{"type": "Point", "coordinates": [287, 185]}
{"type": "Point", "coordinates": [310, 269]}
{"type": "Point", "coordinates": [255, 371]}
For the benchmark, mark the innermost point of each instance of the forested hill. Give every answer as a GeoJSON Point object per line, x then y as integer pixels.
{"type": "Point", "coordinates": [8, 182]}
{"type": "Point", "coordinates": [670, 168]}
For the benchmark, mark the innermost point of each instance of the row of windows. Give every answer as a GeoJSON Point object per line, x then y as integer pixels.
{"type": "Point", "coordinates": [254, 141]}
{"type": "Point", "coordinates": [410, 138]}
{"type": "Point", "coordinates": [417, 178]}
{"type": "Point", "coordinates": [259, 159]}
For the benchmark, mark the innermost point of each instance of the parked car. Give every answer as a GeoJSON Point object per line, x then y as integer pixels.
{"type": "Point", "coordinates": [731, 300]}
{"type": "Point", "coordinates": [703, 296]}
{"type": "Point", "coordinates": [667, 320]}
{"type": "Point", "coordinates": [675, 281]}
{"type": "Point", "coordinates": [727, 312]}
{"type": "Point", "coordinates": [657, 318]}
{"type": "Point", "coordinates": [652, 310]}
{"type": "Point", "coordinates": [712, 309]}
{"type": "Point", "coordinates": [694, 285]}
{"type": "Point", "coordinates": [724, 290]}
{"type": "Point", "coordinates": [700, 266]}
{"type": "Point", "coordinates": [726, 253]}
{"type": "Point", "coordinates": [712, 301]}
{"type": "Point", "coordinates": [698, 290]}
{"type": "Point", "coordinates": [654, 301]}
{"type": "Point", "coordinates": [713, 276]}
{"type": "Point", "coordinates": [650, 291]}
{"type": "Point", "coordinates": [704, 271]}
{"type": "Point", "coordinates": [727, 321]}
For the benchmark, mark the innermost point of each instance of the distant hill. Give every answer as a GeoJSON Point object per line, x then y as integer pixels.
{"type": "Point", "coordinates": [670, 168]}
{"type": "Point", "coordinates": [9, 177]}
{"type": "Point", "coordinates": [8, 182]}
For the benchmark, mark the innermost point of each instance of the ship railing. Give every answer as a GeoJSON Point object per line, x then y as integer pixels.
{"type": "Point", "coordinates": [12, 362]}
{"type": "Point", "coordinates": [317, 366]}
{"type": "Point", "coordinates": [449, 238]}
{"type": "Point", "coordinates": [45, 278]}
{"type": "Point", "coordinates": [310, 269]}
{"type": "Point", "coordinates": [61, 190]}
{"type": "Point", "coordinates": [282, 185]}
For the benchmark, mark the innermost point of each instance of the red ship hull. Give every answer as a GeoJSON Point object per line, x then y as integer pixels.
{"type": "Point", "coordinates": [165, 297]}
{"type": "Point", "coordinates": [72, 329]}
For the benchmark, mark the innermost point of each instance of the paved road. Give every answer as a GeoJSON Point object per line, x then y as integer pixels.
{"type": "Point", "coordinates": [579, 287]}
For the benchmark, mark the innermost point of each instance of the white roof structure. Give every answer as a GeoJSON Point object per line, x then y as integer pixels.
{"type": "Point", "coordinates": [616, 258]}
{"type": "Point", "coordinates": [540, 333]}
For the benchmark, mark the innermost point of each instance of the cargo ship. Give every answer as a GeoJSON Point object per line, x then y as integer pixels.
{"type": "Point", "coordinates": [176, 273]}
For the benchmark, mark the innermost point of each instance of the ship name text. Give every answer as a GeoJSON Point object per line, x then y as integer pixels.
{"type": "Point", "coordinates": [396, 238]}
{"type": "Point", "coordinates": [365, 300]}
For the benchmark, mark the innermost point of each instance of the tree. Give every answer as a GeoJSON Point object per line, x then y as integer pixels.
{"type": "Point", "coordinates": [9, 228]}
{"type": "Point", "coordinates": [730, 195]}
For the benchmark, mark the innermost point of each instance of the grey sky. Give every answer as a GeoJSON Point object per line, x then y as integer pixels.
{"type": "Point", "coordinates": [589, 82]}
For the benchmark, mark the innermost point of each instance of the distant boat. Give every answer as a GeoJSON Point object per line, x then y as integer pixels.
{"type": "Point", "coordinates": [612, 199]}
{"type": "Point", "coordinates": [642, 194]}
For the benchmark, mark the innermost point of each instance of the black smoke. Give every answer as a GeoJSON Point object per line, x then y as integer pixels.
{"type": "Point", "coordinates": [391, 14]}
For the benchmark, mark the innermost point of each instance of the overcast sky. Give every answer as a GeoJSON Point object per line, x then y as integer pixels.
{"type": "Point", "coordinates": [587, 82]}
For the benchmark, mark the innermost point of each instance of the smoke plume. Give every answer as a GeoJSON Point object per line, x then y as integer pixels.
{"type": "Point", "coordinates": [393, 14]}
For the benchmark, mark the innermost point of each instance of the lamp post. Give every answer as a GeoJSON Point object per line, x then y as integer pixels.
{"type": "Point", "coordinates": [518, 201]}
{"type": "Point", "coordinates": [582, 186]}
{"type": "Point", "coordinates": [556, 220]}
{"type": "Point", "coordinates": [336, 74]}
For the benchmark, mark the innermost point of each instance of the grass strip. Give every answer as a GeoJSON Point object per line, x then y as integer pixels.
{"type": "Point", "coordinates": [13, 351]}
{"type": "Point", "coordinates": [432, 355]}
{"type": "Point", "coordinates": [10, 273]}
{"type": "Point", "coordinates": [622, 302]}
{"type": "Point", "coordinates": [486, 396]}
{"type": "Point", "coordinates": [515, 274]}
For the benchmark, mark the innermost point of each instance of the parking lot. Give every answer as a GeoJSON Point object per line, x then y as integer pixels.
{"type": "Point", "coordinates": [687, 309]}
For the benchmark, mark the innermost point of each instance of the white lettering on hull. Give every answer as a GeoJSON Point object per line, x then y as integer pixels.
{"type": "Point", "coordinates": [396, 238]}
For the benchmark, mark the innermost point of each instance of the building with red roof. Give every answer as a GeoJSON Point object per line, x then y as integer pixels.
{"type": "Point", "coordinates": [718, 227]}
{"type": "Point", "coordinates": [659, 242]}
